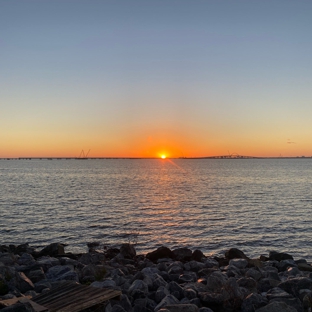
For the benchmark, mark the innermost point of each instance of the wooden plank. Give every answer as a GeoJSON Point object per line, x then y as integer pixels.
{"type": "Point", "coordinates": [86, 300]}
{"type": "Point", "coordinates": [90, 303]}
{"type": "Point", "coordinates": [67, 293]}
{"type": "Point", "coordinates": [73, 297]}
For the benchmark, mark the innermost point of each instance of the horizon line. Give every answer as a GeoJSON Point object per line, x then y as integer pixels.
{"type": "Point", "coordinates": [200, 157]}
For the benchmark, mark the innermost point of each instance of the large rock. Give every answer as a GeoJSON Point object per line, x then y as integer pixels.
{"type": "Point", "coordinates": [161, 293]}
{"type": "Point", "coordinates": [276, 307]}
{"type": "Point", "coordinates": [57, 272]}
{"type": "Point", "coordinates": [182, 254]}
{"type": "Point", "coordinates": [92, 258]}
{"type": "Point", "coordinates": [279, 256]}
{"type": "Point", "coordinates": [23, 248]}
{"type": "Point", "coordinates": [216, 281]}
{"type": "Point", "coordinates": [47, 262]}
{"type": "Point", "coordinates": [239, 263]}
{"type": "Point", "coordinates": [54, 249]}
{"type": "Point", "coordinates": [22, 282]}
{"type": "Point", "coordinates": [194, 266]}
{"type": "Point", "coordinates": [304, 267]}
{"type": "Point", "coordinates": [252, 302]}
{"type": "Point", "coordinates": [108, 283]}
{"type": "Point", "coordinates": [128, 251]}
{"type": "Point", "coordinates": [26, 260]}
{"type": "Point", "coordinates": [198, 255]}
{"type": "Point", "coordinates": [8, 258]}
{"type": "Point", "coordinates": [235, 253]}
{"type": "Point", "coordinates": [36, 275]}
{"type": "Point", "coordinates": [176, 290]}
{"type": "Point", "coordinates": [168, 300]}
{"type": "Point", "coordinates": [292, 302]}
{"type": "Point", "coordinates": [181, 308]}
{"type": "Point", "coordinates": [213, 300]}
{"type": "Point", "coordinates": [138, 286]}
{"type": "Point", "coordinates": [159, 253]}
{"type": "Point", "coordinates": [294, 285]}
{"type": "Point", "coordinates": [144, 305]}
{"type": "Point", "coordinates": [92, 270]}
{"type": "Point", "coordinates": [158, 281]}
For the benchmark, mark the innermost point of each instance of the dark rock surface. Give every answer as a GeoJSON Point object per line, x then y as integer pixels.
{"type": "Point", "coordinates": [163, 280]}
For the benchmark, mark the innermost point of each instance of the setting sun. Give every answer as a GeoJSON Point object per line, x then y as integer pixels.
{"type": "Point", "coordinates": [163, 156]}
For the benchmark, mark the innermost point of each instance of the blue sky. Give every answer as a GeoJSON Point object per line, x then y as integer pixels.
{"type": "Point", "coordinates": [129, 78]}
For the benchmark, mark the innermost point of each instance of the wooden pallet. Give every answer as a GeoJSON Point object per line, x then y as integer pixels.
{"type": "Point", "coordinates": [72, 297]}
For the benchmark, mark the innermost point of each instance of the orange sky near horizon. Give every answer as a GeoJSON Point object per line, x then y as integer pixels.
{"type": "Point", "coordinates": [141, 78]}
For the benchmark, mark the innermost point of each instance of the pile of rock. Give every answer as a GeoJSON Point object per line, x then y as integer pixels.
{"type": "Point", "coordinates": [163, 280]}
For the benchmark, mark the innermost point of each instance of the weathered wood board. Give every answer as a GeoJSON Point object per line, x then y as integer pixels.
{"type": "Point", "coordinates": [72, 297]}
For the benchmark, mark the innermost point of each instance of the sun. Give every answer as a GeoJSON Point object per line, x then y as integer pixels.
{"type": "Point", "coordinates": [163, 156]}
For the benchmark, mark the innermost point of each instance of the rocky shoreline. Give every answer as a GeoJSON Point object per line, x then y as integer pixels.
{"type": "Point", "coordinates": [163, 280]}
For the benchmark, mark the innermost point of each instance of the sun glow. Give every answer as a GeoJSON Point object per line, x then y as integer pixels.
{"type": "Point", "coordinates": [163, 156]}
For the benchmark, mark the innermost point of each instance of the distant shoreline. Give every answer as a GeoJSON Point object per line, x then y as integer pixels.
{"type": "Point", "coordinates": [194, 158]}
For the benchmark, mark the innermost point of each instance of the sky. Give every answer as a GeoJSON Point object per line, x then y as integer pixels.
{"type": "Point", "coordinates": [142, 78]}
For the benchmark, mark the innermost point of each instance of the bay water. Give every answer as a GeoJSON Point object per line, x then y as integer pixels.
{"type": "Point", "coordinates": [256, 205]}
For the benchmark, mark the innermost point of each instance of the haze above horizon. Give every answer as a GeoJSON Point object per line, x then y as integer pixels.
{"type": "Point", "coordinates": [151, 78]}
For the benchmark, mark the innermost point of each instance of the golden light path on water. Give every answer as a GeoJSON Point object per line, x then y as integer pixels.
{"type": "Point", "coordinates": [255, 205]}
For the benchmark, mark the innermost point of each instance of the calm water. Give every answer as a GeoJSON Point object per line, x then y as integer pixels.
{"type": "Point", "coordinates": [256, 205]}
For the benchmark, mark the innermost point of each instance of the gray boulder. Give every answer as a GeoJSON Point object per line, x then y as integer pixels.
{"type": "Point", "coordinates": [92, 258]}
{"type": "Point", "coordinates": [182, 254]}
{"type": "Point", "coordinates": [254, 273]}
{"type": "Point", "coordinates": [22, 282]}
{"type": "Point", "coordinates": [54, 249]}
{"type": "Point", "coordinates": [276, 307]}
{"type": "Point", "coordinates": [235, 253]}
{"type": "Point", "coordinates": [26, 260]}
{"type": "Point", "coordinates": [161, 293]}
{"type": "Point", "coordinates": [55, 273]}
{"type": "Point", "coordinates": [239, 263]}
{"type": "Point", "coordinates": [168, 300]}
{"type": "Point", "coordinates": [188, 277]}
{"type": "Point", "coordinates": [138, 285]}
{"type": "Point", "coordinates": [194, 266]}
{"type": "Point", "coordinates": [252, 302]}
{"type": "Point", "coordinates": [127, 251]}
{"type": "Point", "coordinates": [176, 290]}
{"type": "Point", "coordinates": [161, 252]}
{"type": "Point", "coordinates": [294, 285]}
{"type": "Point", "coordinates": [279, 256]}
{"type": "Point", "coordinates": [36, 275]}
{"type": "Point", "coordinates": [8, 258]}
{"type": "Point", "coordinates": [181, 308]}
{"type": "Point", "coordinates": [47, 262]}
{"type": "Point", "coordinates": [216, 281]}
